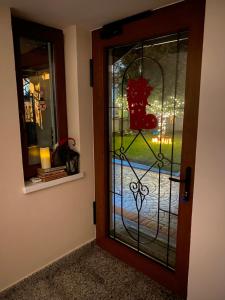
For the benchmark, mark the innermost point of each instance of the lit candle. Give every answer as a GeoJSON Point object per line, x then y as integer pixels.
{"type": "Point", "coordinates": [45, 158]}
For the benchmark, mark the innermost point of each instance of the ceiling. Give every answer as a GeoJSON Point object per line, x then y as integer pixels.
{"type": "Point", "coordinates": [90, 14]}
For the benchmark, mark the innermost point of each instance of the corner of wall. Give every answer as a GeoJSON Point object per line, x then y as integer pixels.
{"type": "Point", "coordinates": [71, 71]}
{"type": "Point", "coordinates": [39, 227]}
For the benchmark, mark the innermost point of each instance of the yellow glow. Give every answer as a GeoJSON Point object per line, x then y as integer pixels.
{"type": "Point", "coordinates": [155, 140]}
{"type": "Point", "coordinates": [34, 155]}
{"type": "Point", "coordinates": [31, 88]}
{"type": "Point", "coordinates": [164, 140]}
{"type": "Point", "coordinates": [45, 76]}
{"type": "Point", "coordinates": [37, 87]}
{"type": "Point", "coordinates": [34, 151]}
{"type": "Point", "coordinates": [45, 158]}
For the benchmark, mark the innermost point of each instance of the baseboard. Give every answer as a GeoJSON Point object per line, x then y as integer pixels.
{"type": "Point", "coordinates": [47, 265]}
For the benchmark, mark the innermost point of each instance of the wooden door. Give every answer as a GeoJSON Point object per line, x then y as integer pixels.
{"type": "Point", "coordinates": [146, 91]}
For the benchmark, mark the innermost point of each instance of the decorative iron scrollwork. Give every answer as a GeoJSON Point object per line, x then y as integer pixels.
{"type": "Point", "coordinates": [140, 191]}
{"type": "Point", "coordinates": [136, 185]}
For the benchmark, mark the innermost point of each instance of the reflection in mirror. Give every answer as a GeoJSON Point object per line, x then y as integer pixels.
{"type": "Point", "coordinates": [38, 94]}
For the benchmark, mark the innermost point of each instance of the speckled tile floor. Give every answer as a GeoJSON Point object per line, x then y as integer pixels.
{"type": "Point", "coordinates": [88, 274]}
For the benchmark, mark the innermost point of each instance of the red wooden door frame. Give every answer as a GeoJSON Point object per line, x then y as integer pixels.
{"type": "Point", "coordinates": [187, 15]}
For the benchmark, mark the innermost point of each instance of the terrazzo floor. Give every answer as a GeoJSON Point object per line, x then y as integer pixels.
{"type": "Point", "coordinates": [88, 274]}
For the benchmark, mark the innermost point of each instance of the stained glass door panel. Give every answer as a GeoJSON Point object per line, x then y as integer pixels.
{"type": "Point", "coordinates": [145, 111]}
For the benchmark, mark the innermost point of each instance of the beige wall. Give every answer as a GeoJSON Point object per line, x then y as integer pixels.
{"type": "Point", "coordinates": [39, 227]}
{"type": "Point", "coordinates": [207, 257]}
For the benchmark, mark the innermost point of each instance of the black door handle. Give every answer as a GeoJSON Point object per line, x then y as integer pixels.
{"type": "Point", "coordinates": [187, 183]}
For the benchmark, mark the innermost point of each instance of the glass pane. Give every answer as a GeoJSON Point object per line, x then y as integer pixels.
{"type": "Point", "coordinates": [146, 108]}
{"type": "Point", "coordinates": [39, 100]}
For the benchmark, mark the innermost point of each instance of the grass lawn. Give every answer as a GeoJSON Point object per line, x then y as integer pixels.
{"type": "Point", "coordinates": [139, 151]}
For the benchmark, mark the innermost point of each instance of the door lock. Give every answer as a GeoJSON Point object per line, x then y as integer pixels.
{"type": "Point", "coordinates": [187, 183]}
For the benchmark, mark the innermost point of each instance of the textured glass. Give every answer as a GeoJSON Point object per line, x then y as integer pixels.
{"type": "Point", "coordinates": [144, 203]}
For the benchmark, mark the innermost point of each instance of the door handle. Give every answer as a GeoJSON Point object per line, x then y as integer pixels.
{"type": "Point", "coordinates": [187, 183]}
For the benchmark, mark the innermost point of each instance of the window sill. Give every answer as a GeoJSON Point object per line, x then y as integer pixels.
{"type": "Point", "coordinates": [33, 187]}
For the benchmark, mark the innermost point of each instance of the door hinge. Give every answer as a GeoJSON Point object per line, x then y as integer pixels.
{"type": "Point", "coordinates": [94, 212]}
{"type": "Point", "coordinates": [91, 66]}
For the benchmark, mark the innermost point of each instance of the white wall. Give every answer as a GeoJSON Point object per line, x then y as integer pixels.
{"type": "Point", "coordinates": [207, 256]}
{"type": "Point", "coordinates": [39, 227]}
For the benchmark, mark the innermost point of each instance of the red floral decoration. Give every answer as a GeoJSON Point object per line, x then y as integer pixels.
{"type": "Point", "coordinates": [138, 91]}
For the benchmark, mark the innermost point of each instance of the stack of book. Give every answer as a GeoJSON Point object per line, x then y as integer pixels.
{"type": "Point", "coordinates": [51, 173]}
